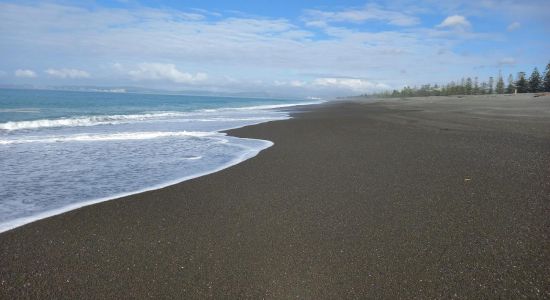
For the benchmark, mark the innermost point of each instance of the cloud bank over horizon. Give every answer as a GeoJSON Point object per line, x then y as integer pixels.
{"type": "Point", "coordinates": [326, 50]}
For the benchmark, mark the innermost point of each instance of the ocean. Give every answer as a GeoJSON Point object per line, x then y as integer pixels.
{"type": "Point", "coordinates": [60, 150]}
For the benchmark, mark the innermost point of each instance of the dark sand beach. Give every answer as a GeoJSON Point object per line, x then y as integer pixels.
{"type": "Point", "coordinates": [407, 198]}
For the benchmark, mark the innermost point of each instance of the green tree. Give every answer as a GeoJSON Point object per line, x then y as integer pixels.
{"type": "Point", "coordinates": [490, 85]}
{"type": "Point", "coordinates": [500, 85]}
{"type": "Point", "coordinates": [461, 88]}
{"type": "Point", "coordinates": [436, 90]}
{"type": "Point", "coordinates": [484, 88]}
{"type": "Point", "coordinates": [535, 82]}
{"type": "Point", "coordinates": [476, 86]}
{"type": "Point", "coordinates": [468, 86]}
{"type": "Point", "coordinates": [521, 83]}
{"type": "Point", "coordinates": [546, 80]}
{"type": "Point", "coordinates": [511, 85]}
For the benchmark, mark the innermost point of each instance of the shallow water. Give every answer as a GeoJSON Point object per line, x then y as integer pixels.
{"type": "Point", "coordinates": [63, 150]}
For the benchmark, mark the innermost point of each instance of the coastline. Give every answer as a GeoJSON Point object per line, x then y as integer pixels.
{"type": "Point", "coordinates": [6, 226]}
{"type": "Point", "coordinates": [51, 213]}
{"type": "Point", "coordinates": [387, 199]}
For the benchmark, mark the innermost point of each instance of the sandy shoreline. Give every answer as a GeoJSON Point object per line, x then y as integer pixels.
{"type": "Point", "coordinates": [407, 198]}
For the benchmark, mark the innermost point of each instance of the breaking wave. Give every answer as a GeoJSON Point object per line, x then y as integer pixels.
{"type": "Point", "coordinates": [108, 137]}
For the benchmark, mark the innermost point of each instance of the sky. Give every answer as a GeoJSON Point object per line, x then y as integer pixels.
{"type": "Point", "coordinates": [288, 48]}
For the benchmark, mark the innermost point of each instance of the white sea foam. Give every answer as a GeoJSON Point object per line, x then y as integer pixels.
{"type": "Point", "coordinates": [121, 136]}
{"type": "Point", "coordinates": [247, 153]}
{"type": "Point", "coordinates": [275, 106]}
{"type": "Point", "coordinates": [20, 110]}
{"type": "Point", "coordinates": [51, 166]}
{"type": "Point", "coordinates": [262, 107]}
{"type": "Point", "coordinates": [87, 120]}
{"type": "Point", "coordinates": [121, 119]}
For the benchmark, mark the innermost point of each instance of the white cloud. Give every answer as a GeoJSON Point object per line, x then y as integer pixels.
{"type": "Point", "coordinates": [455, 21]}
{"type": "Point", "coordinates": [67, 73]}
{"type": "Point", "coordinates": [332, 46]}
{"type": "Point", "coordinates": [354, 84]}
{"type": "Point", "coordinates": [367, 13]}
{"type": "Point", "coordinates": [297, 83]}
{"type": "Point", "coordinates": [319, 24]}
{"type": "Point", "coordinates": [526, 11]}
{"type": "Point", "coordinates": [513, 26]}
{"type": "Point", "coordinates": [117, 66]}
{"type": "Point", "coordinates": [291, 83]}
{"type": "Point", "coordinates": [507, 61]}
{"type": "Point", "coordinates": [240, 45]}
{"type": "Point", "coordinates": [25, 73]}
{"type": "Point", "coordinates": [169, 72]}
{"type": "Point", "coordinates": [332, 86]}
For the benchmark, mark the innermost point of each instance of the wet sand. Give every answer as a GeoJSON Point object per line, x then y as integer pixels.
{"type": "Point", "coordinates": [410, 198]}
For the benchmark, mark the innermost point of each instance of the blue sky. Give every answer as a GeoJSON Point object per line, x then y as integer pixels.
{"type": "Point", "coordinates": [291, 48]}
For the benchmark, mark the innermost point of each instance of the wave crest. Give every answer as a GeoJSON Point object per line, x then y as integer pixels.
{"type": "Point", "coordinates": [86, 121]}
{"type": "Point", "coordinates": [120, 119]}
{"type": "Point", "coordinates": [109, 137]}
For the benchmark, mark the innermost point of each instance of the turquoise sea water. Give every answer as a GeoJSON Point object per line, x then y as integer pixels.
{"type": "Point", "coordinates": [61, 150]}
